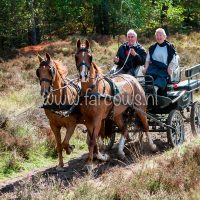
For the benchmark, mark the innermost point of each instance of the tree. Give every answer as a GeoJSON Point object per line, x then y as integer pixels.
{"type": "Point", "coordinates": [62, 17]}
{"type": "Point", "coordinates": [32, 31]}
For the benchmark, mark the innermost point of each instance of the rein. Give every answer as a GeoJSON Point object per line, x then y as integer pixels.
{"type": "Point", "coordinates": [123, 64]}
{"type": "Point", "coordinates": [61, 107]}
{"type": "Point", "coordinates": [95, 81]}
{"type": "Point", "coordinates": [64, 110]}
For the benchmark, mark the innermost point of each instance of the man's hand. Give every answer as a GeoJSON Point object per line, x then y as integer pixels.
{"type": "Point", "coordinates": [133, 53]}
{"type": "Point", "coordinates": [116, 59]}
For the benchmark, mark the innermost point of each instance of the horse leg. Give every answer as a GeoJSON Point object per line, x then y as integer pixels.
{"type": "Point", "coordinates": [101, 136]}
{"type": "Point", "coordinates": [100, 144]}
{"type": "Point", "coordinates": [120, 123]}
{"type": "Point", "coordinates": [93, 147]}
{"type": "Point", "coordinates": [144, 121]}
{"type": "Point", "coordinates": [141, 139]}
{"type": "Point", "coordinates": [90, 143]}
{"type": "Point", "coordinates": [56, 131]}
{"type": "Point", "coordinates": [65, 144]}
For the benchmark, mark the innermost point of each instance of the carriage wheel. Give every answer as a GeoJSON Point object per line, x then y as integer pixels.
{"type": "Point", "coordinates": [195, 118]}
{"type": "Point", "coordinates": [175, 136]}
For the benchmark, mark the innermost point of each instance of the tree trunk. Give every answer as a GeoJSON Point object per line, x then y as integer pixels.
{"type": "Point", "coordinates": [97, 18]}
{"type": "Point", "coordinates": [32, 38]}
{"type": "Point", "coordinates": [105, 17]}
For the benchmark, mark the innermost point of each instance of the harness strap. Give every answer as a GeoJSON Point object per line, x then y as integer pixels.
{"type": "Point", "coordinates": [72, 108]}
{"type": "Point", "coordinates": [83, 63]}
{"type": "Point", "coordinates": [104, 87]}
{"type": "Point", "coordinates": [45, 80]}
{"type": "Point", "coordinates": [114, 88]}
{"type": "Point", "coordinates": [55, 107]}
{"type": "Point", "coordinates": [66, 109]}
{"type": "Point", "coordinates": [111, 114]}
{"type": "Point", "coordinates": [76, 86]}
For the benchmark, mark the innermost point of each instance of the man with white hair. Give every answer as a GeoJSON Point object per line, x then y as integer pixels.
{"type": "Point", "coordinates": [130, 56]}
{"type": "Point", "coordinates": [159, 60]}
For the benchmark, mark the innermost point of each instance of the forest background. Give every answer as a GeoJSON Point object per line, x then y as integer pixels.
{"type": "Point", "coordinates": [25, 22]}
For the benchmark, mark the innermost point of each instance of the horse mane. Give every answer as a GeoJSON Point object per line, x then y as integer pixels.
{"type": "Point", "coordinates": [60, 68]}
{"type": "Point", "coordinates": [97, 68]}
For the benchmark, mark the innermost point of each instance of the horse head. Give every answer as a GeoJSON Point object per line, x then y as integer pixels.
{"type": "Point", "coordinates": [46, 74]}
{"type": "Point", "coordinates": [83, 60]}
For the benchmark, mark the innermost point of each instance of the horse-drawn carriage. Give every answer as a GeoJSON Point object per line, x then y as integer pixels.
{"type": "Point", "coordinates": [168, 113]}
{"type": "Point", "coordinates": [160, 113]}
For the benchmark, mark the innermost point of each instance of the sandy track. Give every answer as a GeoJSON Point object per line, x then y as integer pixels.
{"type": "Point", "coordinates": [75, 168]}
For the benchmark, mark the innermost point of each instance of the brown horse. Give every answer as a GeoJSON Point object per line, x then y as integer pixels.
{"type": "Point", "coordinates": [59, 95]}
{"type": "Point", "coordinates": [103, 104]}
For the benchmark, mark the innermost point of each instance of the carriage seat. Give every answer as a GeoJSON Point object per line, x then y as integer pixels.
{"type": "Point", "coordinates": [193, 81]}
{"type": "Point", "coordinates": [188, 85]}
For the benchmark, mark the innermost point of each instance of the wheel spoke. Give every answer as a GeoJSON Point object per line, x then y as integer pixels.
{"type": "Point", "coordinates": [176, 135]}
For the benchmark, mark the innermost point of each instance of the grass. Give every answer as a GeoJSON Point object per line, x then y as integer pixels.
{"type": "Point", "coordinates": [17, 101]}
{"type": "Point", "coordinates": [175, 175]}
{"type": "Point", "coordinates": [171, 178]}
{"type": "Point", "coordinates": [38, 157]}
{"type": "Point", "coordinates": [21, 166]}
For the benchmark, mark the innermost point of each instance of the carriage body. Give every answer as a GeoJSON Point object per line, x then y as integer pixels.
{"type": "Point", "coordinates": [174, 108]}
{"type": "Point", "coordinates": [168, 113]}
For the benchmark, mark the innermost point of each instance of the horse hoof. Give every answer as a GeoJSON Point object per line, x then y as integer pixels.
{"type": "Point", "coordinates": [89, 168]}
{"type": "Point", "coordinates": [153, 148]}
{"type": "Point", "coordinates": [115, 146]}
{"type": "Point", "coordinates": [104, 157]}
{"type": "Point", "coordinates": [60, 169]}
{"type": "Point", "coordinates": [107, 157]}
{"type": "Point", "coordinates": [70, 149]}
{"type": "Point", "coordinates": [121, 155]}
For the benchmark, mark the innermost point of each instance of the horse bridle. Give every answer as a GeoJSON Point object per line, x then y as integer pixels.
{"type": "Point", "coordinates": [83, 63]}
{"type": "Point", "coordinates": [52, 72]}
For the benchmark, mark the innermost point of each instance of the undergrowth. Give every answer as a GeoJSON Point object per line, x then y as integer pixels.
{"type": "Point", "coordinates": [175, 175]}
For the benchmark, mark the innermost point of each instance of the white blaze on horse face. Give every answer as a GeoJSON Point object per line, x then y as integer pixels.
{"type": "Point", "coordinates": [83, 73]}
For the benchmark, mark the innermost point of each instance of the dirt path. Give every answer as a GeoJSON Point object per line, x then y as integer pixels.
{"type": "Point", "coordinates": [75, 168]}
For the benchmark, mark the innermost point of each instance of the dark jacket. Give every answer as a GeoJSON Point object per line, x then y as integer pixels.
{"type": "Point", "coordinates": [133, 61]}
{"type": "Point", "coordinates": [158, 70]}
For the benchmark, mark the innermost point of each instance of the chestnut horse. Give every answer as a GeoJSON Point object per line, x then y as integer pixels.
{"type": "Point", "coordinates": [103, 104]}
{"type": "Point", "coordinates": [63, 95]}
